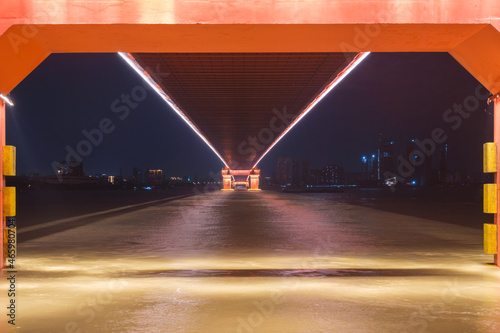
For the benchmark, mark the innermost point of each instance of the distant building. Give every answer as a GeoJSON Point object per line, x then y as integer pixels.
{"type": "Point", "coordinates": [302, 177]}
{"type": "Point", "coordinates": [422, 164]}
{"type": "Point", "coordinates": [136, 178]}
{"type": "Point", "coordinates": [315, 177]}
{"type": "Point", "coordinates": [154, 178]}
{"type": "Point", "coordinates": [369, 168]}
{"type": "Point", "coordinates": [70, 174]}
{"type": "Point", "coordinates": [70, 169]}
{"type": "Point", "coordinates": [176, 179]}
{"type": "Point", "coordinates": [116, 180]}
{"type": "Point", "coordinates": [386, 161]}
{"type": "Point", "coordinates": [443, 165]}
{"type": "Point", "coordinates": [333, 175]}
{"type": "Point", "coordinates": [329, 175]}
{"type": "Point", "coordinates": [291, 171]}
{"type": "Point", "coordinates": [284, 171]}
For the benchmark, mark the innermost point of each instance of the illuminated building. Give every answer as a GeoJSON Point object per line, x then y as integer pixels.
{"type": "Point", "coordinates": [369, 169]}
{"type": "Point", "coordinates": [330, 175]}
{"type": "Point", "coordinates": [422, 164]}
{"type": "Point", "coordinates": [70, 169]}
{"type": "Point", "coordinates": [333, 175]}
{"type": "Point", "coordinates": [154, 177]}
{"type": "Point", "coordinates": [316, 177]}
{"type": "Point", "coordinates": [386, 162]}
{"type": "Point", "coordinates": [292, 172]}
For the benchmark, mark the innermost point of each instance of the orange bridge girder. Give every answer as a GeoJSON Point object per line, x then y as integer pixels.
{"type": "Point", "coordinates": [30, 30]}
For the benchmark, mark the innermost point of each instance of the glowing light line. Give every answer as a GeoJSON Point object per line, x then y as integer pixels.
{"type": "Point", "coordinates": [354, 63]}
{"type": "Point", "coordinates": [6, 99]}
{"type": "Point", "coordinates": [156, 87]}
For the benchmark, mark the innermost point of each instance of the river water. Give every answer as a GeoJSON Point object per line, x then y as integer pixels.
{"type": "Point", "coordinates": [261, 262]}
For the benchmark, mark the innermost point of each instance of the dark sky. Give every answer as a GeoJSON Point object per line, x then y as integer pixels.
{"type": "Point", "coordinates": [401, 95]}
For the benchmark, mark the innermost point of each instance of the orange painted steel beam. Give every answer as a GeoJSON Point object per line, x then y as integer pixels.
{"type": "Point", "coordinates": [248, 12]}
{"type": "Point", "coordinates": [32, 29]}
{"type": "Point", "coordinates": [480, 55]}
{"type": "Point", "coordinates": [20, 54]}
{"type": "Point", "coordinates": [240, 172]}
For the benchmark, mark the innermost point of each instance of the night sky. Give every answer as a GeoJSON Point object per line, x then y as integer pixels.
{"type": "Point", "coordinates": [401, 95]}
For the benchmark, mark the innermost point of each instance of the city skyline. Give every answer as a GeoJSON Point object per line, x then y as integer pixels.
{"type": "Point", "coordinates": [370, 170]}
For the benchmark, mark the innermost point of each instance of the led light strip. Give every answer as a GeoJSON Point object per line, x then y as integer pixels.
{"type": "Point", "coordinates": [355, 62]}
{"type": "Point", "coordinates": [149, 80]}
{"type": "Point", "coordinates": [6, 99]}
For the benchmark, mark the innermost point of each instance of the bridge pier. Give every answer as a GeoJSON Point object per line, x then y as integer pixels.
{"type": "Point", "coordinates": [254, 180]}
{"type": "Point", "coordinates": [8, 235]}
{"type": "Point", "coordinates": [248, 178]}
{"type": "Point", "coordinates": [496, 134]}
{"type": "Point", "coordinates": [227, 180]}
{"type": "Point", "coordinates": [2, 181]}
{"type": "Point", "coordinates": [491, 194]}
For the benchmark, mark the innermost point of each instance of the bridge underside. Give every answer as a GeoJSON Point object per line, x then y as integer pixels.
{"type": "Point", "coordinates": [242, 102]}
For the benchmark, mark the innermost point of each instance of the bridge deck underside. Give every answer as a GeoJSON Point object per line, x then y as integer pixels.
{"type": "Point", "coordinates": [233, 96]}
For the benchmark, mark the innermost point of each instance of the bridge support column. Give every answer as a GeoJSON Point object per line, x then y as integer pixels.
{"type": "Point", "coordinates": [2, 182]}
{"type": "Point", "coordinates": [491, 164]}
{"type": "Point", "coordinates": [226, 180]}
{"type": "Point", "coordinates": [496, 133]}
{"type": "Point", "coordinates": [254, 180]}
{"type": "Point", "coordinates": [491, 194]}
{"type": "Point", "coordinates": [7, 199]}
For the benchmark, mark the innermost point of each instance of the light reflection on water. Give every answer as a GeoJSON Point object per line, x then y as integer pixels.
{"type": "Point", "coordinates": [258, 262]}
